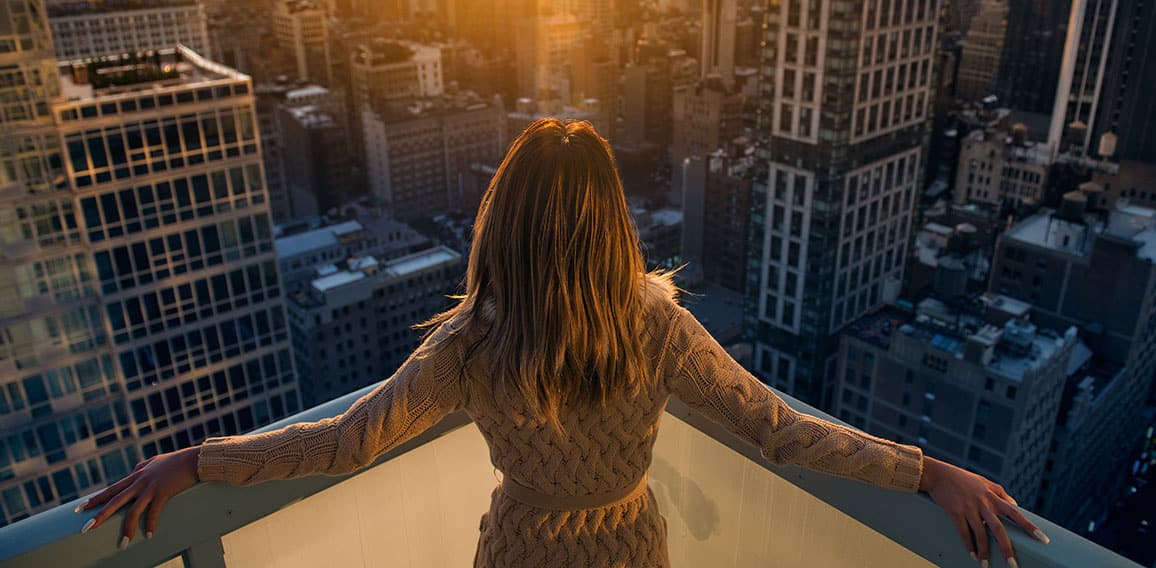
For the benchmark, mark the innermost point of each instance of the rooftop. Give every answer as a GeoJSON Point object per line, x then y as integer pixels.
{"type": "Point", "coordinates": [99, 77]}
{"type": "Point", "coordinates": [997, 324]}
{"type": "Point", "coordinates": [1125, 221]}
{"type": "Point", "coordinates": [420, 261]}
{"type": "Point", "coordinates": [90, 7]}
{"type": "Point", "coordinates": [316, 239]}
{"type": "Point", "coordinates": [363, 268]}
{"type": "Point", "coordinates": [419, 504]}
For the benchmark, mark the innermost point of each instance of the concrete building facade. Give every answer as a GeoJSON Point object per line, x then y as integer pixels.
{"type": "Point", "coordinates": [83, 30]}
{"type": "Point", "coordinates": [843, 125]}
{"type": "Point", "coordinates": [352, 326]}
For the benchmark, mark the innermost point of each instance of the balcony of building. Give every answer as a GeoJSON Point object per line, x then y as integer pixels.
{"type": "Point", "coordinates": [420, 506]}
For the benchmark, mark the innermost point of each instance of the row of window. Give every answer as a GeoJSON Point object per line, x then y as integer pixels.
{"type": "Point", "coordinates": [158, 145]}
{"type": "Point", "coordinates": [126, 267]}
{"type": "Point", "coordinates": [92, 378]}
{"type": "Point", "coordinates": [197, 348]}
{"type": "Point", "coordinates": [50, 223]}
{"type": "Point", "coordinates": [889, 46]}
{"type": "Point", "coordinates": [148, 101]}
{"type": "Point", "coordinates": [22, 500]}
{"type": "Point", "coordinates": [245, 419]}
{"type": "Point", "coordinates": [203, 395]}
{"type": "Point", "coordinates": [171, 308]}
{"type": "Point", "coordinates": [883, 13]}
{"type": "Point", "coordinates": [73, 331]}
{"type": "Point", "coordinates": [132, 210]}
{"type": "Point", "coordinates": [894, 80]}
{"type": "Point", "coordinates": [51, 440]}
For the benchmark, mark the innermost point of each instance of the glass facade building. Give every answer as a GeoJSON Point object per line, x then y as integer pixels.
{"type": "Point", "coordinates": [842, 142]}
{"type": "Point", "coordinates": [140, 305]}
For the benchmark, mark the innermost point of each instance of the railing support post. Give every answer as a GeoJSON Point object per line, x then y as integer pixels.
{"type": "Point", "coordinates": [205, 554]}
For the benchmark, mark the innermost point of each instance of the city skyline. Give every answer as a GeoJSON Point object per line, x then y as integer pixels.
{"type": "Point", "coordinates": [240, 214]}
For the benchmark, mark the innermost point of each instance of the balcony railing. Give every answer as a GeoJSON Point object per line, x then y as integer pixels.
{"type": "Point", "coordinates": [420, 506]}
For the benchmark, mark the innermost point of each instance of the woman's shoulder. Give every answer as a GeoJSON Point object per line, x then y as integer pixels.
{"type": "Point", "coordinates": [661, 297]}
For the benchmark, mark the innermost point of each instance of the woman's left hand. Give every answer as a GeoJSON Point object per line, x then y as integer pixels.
{"type": "Point", "coordinates": [975, 504]}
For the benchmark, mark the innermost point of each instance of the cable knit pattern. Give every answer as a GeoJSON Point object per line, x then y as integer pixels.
{"type": "Point", "coordinates": [596, 452]}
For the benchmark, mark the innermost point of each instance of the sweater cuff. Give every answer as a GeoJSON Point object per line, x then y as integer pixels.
{"type": "Point", "coordinates": [909, 470]}
{"type": "Point", "coordinates": [211, 460]}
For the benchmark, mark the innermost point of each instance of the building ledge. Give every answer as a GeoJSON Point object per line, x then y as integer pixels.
{"type": "Point", "coordinates": [723, 502]}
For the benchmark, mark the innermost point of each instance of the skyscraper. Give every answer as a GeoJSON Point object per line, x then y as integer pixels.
{"type": "Point", "coordinates": [843, 123]}
{"type": "Point", "coordinates": [1126, 107]}
{"type": "Point", "coordinates": [1091, 29]}
{"type": "Point", "coordinates": [1030, 67]}
{"type": "Point", "coordinates": [142, 304]}
{"type": "Point", "coordinates": [982, 51]}
{"type": "Point", "coordinates": [719, 18]}
{"type": "Point", "coordinates": [93, 29]}
{"type": "Point", "coordinates": [301, 30]}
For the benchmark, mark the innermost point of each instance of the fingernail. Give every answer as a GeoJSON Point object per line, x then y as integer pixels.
{"type": "Point", "coordinates": [123, 543]}
{"type": "Point", "coordinates": [148, 535]}
{"type": "Point", "coordinates": [1042, 537]}
{"type": "Point", "coordinates": [1011, 561]}
{"type": "Point", "coordinates": [80, 507]}
{"type": "Point", "coordinates": [974, 558]}
{"type": "Point", "coordinates": [87, 526]}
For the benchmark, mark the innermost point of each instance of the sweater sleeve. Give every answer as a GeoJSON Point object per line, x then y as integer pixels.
{"type": "Point", "coordinates": [423, 391]}
{"type": "Point", "coordinates": [701, 373]}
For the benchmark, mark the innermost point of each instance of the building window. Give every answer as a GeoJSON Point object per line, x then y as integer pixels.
{"type": "Point", "coordinates": [1011, 392]}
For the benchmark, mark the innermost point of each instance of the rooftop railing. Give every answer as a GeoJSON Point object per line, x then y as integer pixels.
{"type": "Point", "coordinates": [420, 506]}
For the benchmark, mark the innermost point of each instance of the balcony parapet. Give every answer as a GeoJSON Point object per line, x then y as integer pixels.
{"type": "Point", "coordinates": [710, 485]}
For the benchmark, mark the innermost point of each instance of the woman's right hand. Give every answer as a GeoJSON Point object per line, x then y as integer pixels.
{"type": "Point", "coordinates": [150, 485]}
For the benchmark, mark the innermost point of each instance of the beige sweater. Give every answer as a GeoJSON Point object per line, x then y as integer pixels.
{"type": "Point", "coordinates": [599, 452]}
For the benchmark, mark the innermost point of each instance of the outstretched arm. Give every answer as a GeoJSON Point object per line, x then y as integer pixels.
{"type": "Point", "coordinates": [701, 373]}
{"type": "Point", "coordinates": [422, 392]}
{"type": "Point", "coordinates": [419, 395]}
{"type": "Point", "coordinates": [708, 380]}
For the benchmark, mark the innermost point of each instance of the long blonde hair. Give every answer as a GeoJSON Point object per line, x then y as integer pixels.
{"type": "Point", "coordinates": [556, 281]}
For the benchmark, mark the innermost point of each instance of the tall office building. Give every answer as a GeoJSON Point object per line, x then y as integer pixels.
{"type": "Point", "coordinates": [85, 29]}
{"type": "Point", "coordinates": [1091, 31]}
{"type": "Point", "coordinates": [1034, 47]}
{"type": "Point", "coordinates": [301, 30]}
{"type": "Point", "coordinates": [316, 159]}
{"type": "Point", "coordinates": [1126, 107]}
{"type": "Point", "coordinates": [717, 56]}
{"type": "Point", "coordinates": [352, 326]}
{"type": "Point", "coordinates": [142, 304]}
{"type": "Point", "coordinates": [544, 46]}
{"type": "Point", "coordinates": [982, 51]}
{"type": "Point", "coordinates": [707, 116]}
{"type": "Point", "coordinates": [973, 382]}
{"type": "Point", "coordinates": [843, 129]}
{"type": "Point", "coordinates": [1095, 269]}
{"type": "Point", "coordinates": [416, 155]}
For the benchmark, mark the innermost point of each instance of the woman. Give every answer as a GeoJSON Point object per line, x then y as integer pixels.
{"type": "Point", "coordinates": [564, 352]}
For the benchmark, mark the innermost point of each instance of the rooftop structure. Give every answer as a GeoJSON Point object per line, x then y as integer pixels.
{"type": "Point", "coordinates": [139, 76]}
{"type": "Point", "coordinates": [300, 253]}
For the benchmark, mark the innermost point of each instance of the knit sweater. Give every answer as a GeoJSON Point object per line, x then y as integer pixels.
{"type": "Point", "coordinates": [596, 452]}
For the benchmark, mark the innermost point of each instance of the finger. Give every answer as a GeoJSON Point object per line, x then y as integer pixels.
{"type": "Point", "coordinates": [133, 517]}
{"type": "Point", "coordinates": [977, 529]}
{"type": "Point", "coordinates": [999, 490]}
{"type": "Point", "coordinates": [965, 534]}
{"type": "Point", "coordinates": [995, 525]}
{"type": "Point", "coordinates": [142, 463]}
{"type": "Point", "coordinates": [154, 514]}
{"type": "Point", "coordinates": [120, 500]}
{"type": "Point", "coordinates": [1023, 523]}
{"type": "Point", "coordinates": [106, 494]}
